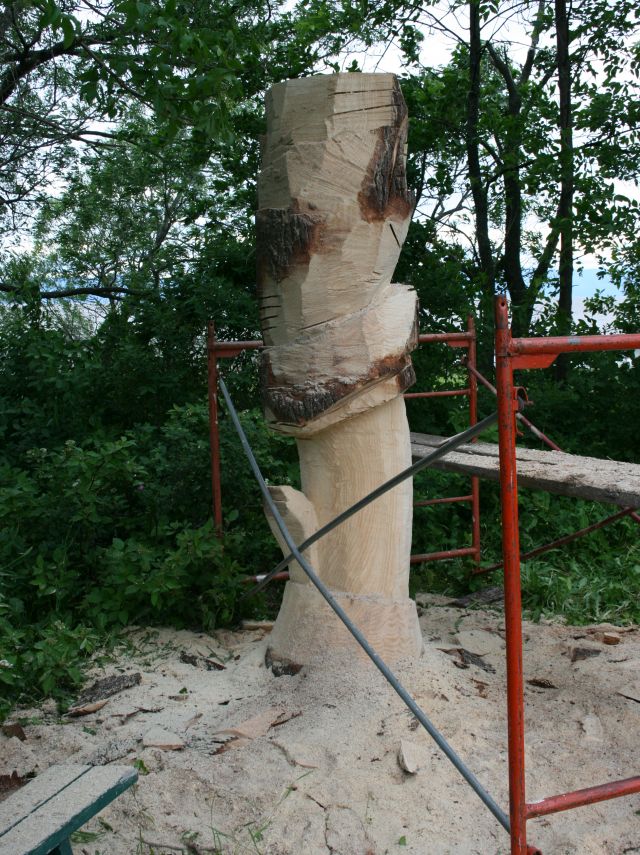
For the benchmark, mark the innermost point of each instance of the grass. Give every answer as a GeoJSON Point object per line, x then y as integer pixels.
{"type": "Point", "coordinates": [595, 579]}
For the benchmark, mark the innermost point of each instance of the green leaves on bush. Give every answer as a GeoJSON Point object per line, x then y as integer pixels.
{"type": "Point", "coordinates": [97, 536]}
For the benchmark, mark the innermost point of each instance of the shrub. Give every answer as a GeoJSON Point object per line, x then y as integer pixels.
{"type": "Point", "coordinates": [100, 535]}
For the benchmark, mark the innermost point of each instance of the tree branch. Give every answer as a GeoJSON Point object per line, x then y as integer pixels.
{"type": "Point", "coordinates": [505, 72]}
{"type": "Point", "coordinates": [527, 68]}
{"type": "Point", "coordinates": [26, 63]}
{"type": "Point", "coordinates": [544, 262]}
{"type": "Point", "coordinates": [75, 292]}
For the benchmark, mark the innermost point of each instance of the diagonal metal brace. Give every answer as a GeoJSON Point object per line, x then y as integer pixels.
{"type": "Point", "coordinates": [447, 446]}
{"type": "Point", "coordinates": [380, 664]}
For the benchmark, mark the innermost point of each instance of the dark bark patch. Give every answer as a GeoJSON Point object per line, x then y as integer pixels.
{"type": "Point", "coordinates": [285, 237]}
{"type": "Point", "coordinates": [301, 403]}
{"type": "Point", "coordinates": [384, 190]}
{"type": "Point", "coordinates": [108, 686]}
{"type": "Point", "coordinates": [281, 667]}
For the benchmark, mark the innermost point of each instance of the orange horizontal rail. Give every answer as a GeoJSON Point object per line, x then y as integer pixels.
{"type": "Point", "coordinates": [228, 349]}
{"type": "Point", "coordinates": [460, 339]}
{"type": "Point", "coordinates": [440, 393]}
{"type": "Point", "coordinates": [580, 798]}
{"type": "Point", "coordinates": [442, 556]}
{"type": "Point", "coordinates": [425, 503]}
{"type": "Point", "coordinates": [572, 344]}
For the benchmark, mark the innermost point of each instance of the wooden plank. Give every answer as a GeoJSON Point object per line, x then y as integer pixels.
{"type": "Point", "coordinates": [592, 478]}
{"type": "Point", "coordinates": [55, 820]}
{"type": "Point", "coordinates": [36, 793]}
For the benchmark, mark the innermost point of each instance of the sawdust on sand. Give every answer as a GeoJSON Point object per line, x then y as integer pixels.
{"type": "Point", "coordinates": [235, 760]}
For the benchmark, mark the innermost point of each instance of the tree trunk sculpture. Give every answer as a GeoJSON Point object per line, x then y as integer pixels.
{"type": "Point", "coordinates": [333, 213]}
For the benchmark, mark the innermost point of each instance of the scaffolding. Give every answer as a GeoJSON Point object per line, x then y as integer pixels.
{"type": "Point", "coordinates": [466, 340]}
{"type": "Point", "coordinates": [518, 354]}
{"type": "Point", "coordinates": [511, 354]}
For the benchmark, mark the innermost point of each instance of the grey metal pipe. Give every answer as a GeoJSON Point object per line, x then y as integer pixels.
{"type": "Point", "coordinates": [447, 446]}
{"type": "Point", "coordinates": [387, 673]}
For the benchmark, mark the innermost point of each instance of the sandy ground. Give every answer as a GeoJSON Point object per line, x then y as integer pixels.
{"type": "Point", "coordinates": [309, 763]}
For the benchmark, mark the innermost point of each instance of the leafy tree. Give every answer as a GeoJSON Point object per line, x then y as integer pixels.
{"type": "Point", "coordinates": [500, 165]}
{"type": "Point", "coordinates": [73, 69]}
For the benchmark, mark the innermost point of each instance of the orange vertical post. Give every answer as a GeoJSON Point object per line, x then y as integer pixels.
{"type": "Point", "coordinates": [214, 431]}
{"type": "Point", "coordinates": [507, 408]}
{"type": "Point", "coordinates": [473, 419]}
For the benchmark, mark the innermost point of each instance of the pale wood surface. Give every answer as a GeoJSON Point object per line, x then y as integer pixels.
{"type": "Point", "coordinates": [591, 478]}
{"type": "Point", "coordinates": [334, 210]}
{"type": "Point", "coordinates": [76, 793]}
{"type": "Point", "coordinates": [365, 561]}
{"type": "Point", "coordinates": [368, 553]}
{"type": "Point", "coordinates": [300, 518]}
{"type": "Point", "coordinates": [307, 627]}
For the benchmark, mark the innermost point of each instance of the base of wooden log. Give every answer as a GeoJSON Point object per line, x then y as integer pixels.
{"type": "Point", "coordinates": [307, 626]}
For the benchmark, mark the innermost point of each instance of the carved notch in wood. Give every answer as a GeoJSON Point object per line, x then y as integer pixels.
{"type": "Point", "coordinates": [333, 213]}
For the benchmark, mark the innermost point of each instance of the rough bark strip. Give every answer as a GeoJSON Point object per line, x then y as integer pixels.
{"type": "Point", "coordinates": [298, 404]}
{"type": "Point", "coordinates": [285, 237]}
{"type": "Point", "coordinates": [384, 191]}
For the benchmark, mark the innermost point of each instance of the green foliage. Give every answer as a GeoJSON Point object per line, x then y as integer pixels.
{"type": "Point", "coordinates": [593, 579]}
{"type": "Point", "coordinates": [596, 414]}
{"type": "Point", "coordinates": [105, 532]}
{"type": "Point", "coordinates": [73, 71]}
{"type": "Point", "coordinates": [129, 145]}
{"type": "Point", "coordinates": [40, 659]}
{"type": "Point", "coordinates": [583, 592]}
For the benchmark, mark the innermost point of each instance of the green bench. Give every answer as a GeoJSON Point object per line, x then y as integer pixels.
{"type": "Point", "coordinates": [40, 818]}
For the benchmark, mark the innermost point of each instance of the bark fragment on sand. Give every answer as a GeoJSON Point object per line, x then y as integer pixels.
{"type": "Point", "coordinates": [408, 757]}
{"type": "Point", "coordinates": [158, 737]}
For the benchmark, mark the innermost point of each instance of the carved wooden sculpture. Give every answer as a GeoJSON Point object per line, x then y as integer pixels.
{"type": "Point", "coordinates": [333, 214]}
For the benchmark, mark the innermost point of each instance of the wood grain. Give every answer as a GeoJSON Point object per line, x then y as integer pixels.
{"type": "Point", "coordinates": [592, 478]}
{"type": "Point", "coordinates": [334, 209]}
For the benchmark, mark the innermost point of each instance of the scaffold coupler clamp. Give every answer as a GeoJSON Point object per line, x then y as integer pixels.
{"type": "Point", "coordinates": [520, 401]}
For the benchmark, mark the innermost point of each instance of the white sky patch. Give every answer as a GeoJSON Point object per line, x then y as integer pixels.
{"type": "Point", "coordinates": [510, 30]}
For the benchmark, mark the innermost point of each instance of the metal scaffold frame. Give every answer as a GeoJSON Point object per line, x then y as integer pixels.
{"type": "Point", "coordinates": [217, 349]}
{"type": "Point", "coordinates": [465, 339]}
{"type": "Point", "coordinates": [511, 354]}
{"type": "Point", "coordinates": [516, 354]}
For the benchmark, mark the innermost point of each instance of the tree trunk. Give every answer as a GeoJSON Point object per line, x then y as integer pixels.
{"type": "Point", "coordinates": [521, 305]}
{"type": "Point", "coordinates": [565, 208]}
{"type": "Point", "coordinates": [478, 189]}
{"type": "Point", "coordinates": [333, 213]}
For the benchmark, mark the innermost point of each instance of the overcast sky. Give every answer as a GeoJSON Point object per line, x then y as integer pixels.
{"type": "Point", "coordinates": [436, 51]}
